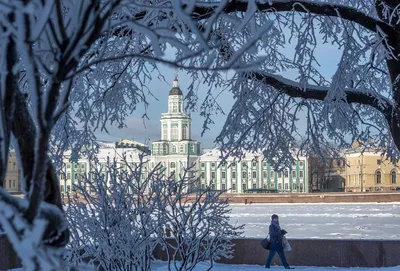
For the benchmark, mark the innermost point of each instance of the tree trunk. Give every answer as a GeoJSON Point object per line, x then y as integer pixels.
{"type": "Point", "coordinates": [25, 133]}
{"type": "Point", "coordinates": [393, 115]}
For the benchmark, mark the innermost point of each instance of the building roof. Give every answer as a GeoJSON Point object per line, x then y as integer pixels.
{"type": "Point", "coordinates": [175, 90]}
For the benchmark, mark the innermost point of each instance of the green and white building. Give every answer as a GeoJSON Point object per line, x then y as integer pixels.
{"type": "Point", "coordinates": [177, 150]}
{"type": "Point", "coordinates": [252, 172]}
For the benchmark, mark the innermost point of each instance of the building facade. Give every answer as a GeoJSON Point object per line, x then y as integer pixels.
{"type": "Point", "coordinates": [12, 181]}
{"type": "Point", "coordinates": [369, 171]}
{"type": "Point", "coordinates": [251, 173]}
{"type": "Point", "coordinates": [176, 151]}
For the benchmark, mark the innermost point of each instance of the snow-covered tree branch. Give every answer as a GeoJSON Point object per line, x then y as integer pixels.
{"type": "Point", "coordinates": [71, 68]}
{"type": "Point", "coordinates": [323, 8]}
{"type": "Point", "coordinates": [359, 102]}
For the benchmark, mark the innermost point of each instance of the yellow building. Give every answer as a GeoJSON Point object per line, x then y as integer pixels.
{"type": "Point", "coordinates": [369, 171]}
{"type": "Point", "coordinates": [12, 180]}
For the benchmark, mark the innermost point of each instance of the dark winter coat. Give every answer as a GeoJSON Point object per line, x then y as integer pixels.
{"type": "Point", "coordinates": [275, 238]}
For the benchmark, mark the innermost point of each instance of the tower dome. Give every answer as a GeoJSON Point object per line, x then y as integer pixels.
{"type": "Point", "coordinates": [175, 90]}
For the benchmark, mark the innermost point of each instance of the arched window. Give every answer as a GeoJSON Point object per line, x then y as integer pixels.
{"type": "Point", "coordinates": [393, 175]}
{"type": "Point", "coordinates": [172, 164]}
{"type": "Point", "coordinates": [378, 177]}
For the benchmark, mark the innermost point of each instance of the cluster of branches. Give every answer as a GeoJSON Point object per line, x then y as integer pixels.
{"type": "Point", "coordinates": [358, 102]}
{"type": "Point", "coordinates": [71, 68]}
{"type": "Point", "coordinates": [74, 67]}
{"type": "Point", "coordinates": [124, 210]}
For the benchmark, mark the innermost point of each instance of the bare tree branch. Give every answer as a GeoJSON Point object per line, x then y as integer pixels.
{"type": "Point", "coordinates": [323, 9]}
{"type": "Point", "coordinates": [295, 90]}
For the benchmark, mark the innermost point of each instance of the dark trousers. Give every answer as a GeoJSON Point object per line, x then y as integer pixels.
{"type": "Point", "coordinates": [281, 254]}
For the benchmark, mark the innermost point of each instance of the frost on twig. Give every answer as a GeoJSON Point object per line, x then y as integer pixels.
{"type": "Point", "coordinates": [123, 209]}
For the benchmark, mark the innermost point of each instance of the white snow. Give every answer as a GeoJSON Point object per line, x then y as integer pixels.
{"type": "Point", "coordinates": [160, 266]}
{"type": "Point", "coordinates": [322, 220]}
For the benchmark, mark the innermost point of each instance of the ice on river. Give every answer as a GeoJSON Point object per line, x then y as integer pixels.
{"type": "Point", "coordinates": [322, 220]}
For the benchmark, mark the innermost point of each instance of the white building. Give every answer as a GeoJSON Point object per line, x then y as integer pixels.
{"type": "Point", "coordinates": [177, 150]}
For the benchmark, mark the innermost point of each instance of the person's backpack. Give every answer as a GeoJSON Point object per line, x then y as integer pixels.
{"type": "Point", "coordinates": [265, 243]}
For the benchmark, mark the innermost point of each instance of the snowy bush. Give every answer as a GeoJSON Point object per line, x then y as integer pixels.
{"type": "Point", "coordinates": [113, 217]}
{"type": "Point", "coordinates": [196, 222]}
{"type": "Point", "coordinates": [121, 213]}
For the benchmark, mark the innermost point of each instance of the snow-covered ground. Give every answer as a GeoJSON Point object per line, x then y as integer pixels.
{"type": "Point", "coordinates": [322, 220]}
{"type": "Point", "coordinates": [159, 266]}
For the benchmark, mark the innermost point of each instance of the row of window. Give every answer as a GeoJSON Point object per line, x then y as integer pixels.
{"type": "Point", "coordinates": [175, 133]}
{"type": "Point", "coordinates": [378, 162]}
{"type": "Point", "coordinates": [254, 186]}
{"type": "Point", "coordinates": [175, 107]}
{"type": "Point", "coordinates": [75, 165]}
{"type": "Point", "coordinates": [378, 177]}
{"type": "Point", "coordinates": [11, 184]}
{"type": "Point", "coordinates": [393, 177]}
{"type": "Point", "coordinates": [173, 148]}
{"type": "Point", "coordinates": [254, 174]}
{"type": "Point", "coordinates": [244, 164]}
{"type": "Point", "coordinates": [76, 176]}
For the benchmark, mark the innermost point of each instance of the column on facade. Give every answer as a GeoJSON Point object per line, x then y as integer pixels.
{"type": "Point", "coordinates": [180, 130]}
{"type": "Point", "coordinates": [239, 177]}
{"type": "Point", "coordinates": [208, 172]}
{"type": "Point", "coordinates": [260, 173]}
{"type": "Point", "coordinates": [168, 130]}
{"type": "Point", "coordinates": [162, 130]}
{"type": "Point", "coordinates": [305, 175]}
{"type": "Point", "coordinates": [249, 180]}
{"type": "Point", "coordinates": [218, 180]}
{"type": "Point", "coordinates": [228, 178]}
{"type": "Point", "coordinates": [189, 129]}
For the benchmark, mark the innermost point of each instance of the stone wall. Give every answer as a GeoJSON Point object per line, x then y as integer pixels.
{"type": "Point", "coordinates": [314, 198]}
{"type": "Point", "coordinates": [306, 252]}
{"type": "Point", "coordinates": [318, 252]}
{"type": "Point", "coordinates": [339, 253]}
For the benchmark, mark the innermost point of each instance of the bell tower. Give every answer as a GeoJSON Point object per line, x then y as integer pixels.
{"type": "Point", "coordinates": [176, 127]}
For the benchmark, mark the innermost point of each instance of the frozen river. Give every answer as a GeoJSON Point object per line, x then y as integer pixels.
{"type": "Point", "coordinates": [322, 220]}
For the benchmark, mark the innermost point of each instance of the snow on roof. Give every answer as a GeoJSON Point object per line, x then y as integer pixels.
{"type": "Point", "coordinates": [132, 142]}
{"type": "Point", "coordinates": [216, 153]}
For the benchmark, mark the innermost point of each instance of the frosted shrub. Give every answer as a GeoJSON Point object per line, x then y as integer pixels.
{"type": "Point", "coordinates": [196, 222]}
{"type": "Point", "coordinates": [120, 213]}
{"type": "Point", "coordinates": [112, 218]}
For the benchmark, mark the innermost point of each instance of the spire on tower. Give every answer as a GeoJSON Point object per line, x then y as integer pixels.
{"type": "Point", "coordinates": [175, 83]}
{"type": "Point", "coordinates": [175, 87]}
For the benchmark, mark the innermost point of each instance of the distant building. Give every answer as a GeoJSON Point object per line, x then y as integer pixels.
{"type": "Point", "coordinates": [327, 175]}
{"type": "Point", "coordinates": [176, 150]}
{"type": "Point", "coordinates": [369, 171]}
{"type": "Point", "coordinates": [12, 181]}
{"type": "Point", "coordinates": [251, 174]}
{"type": "Point", "coordinates": [71, 173]}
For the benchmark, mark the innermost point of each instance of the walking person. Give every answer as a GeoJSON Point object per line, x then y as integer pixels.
{"type": "Point", "coordinates": [275, 235]}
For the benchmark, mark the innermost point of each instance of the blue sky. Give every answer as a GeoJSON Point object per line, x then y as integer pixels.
{"type": "Point", "coordinates": [326, 54]}
{"type": "Point", "coordinates": [150, 129]}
